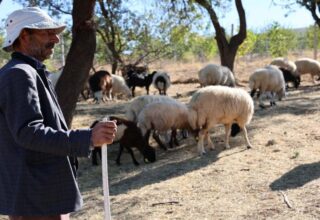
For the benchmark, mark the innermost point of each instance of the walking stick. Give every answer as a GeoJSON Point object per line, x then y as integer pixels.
{"type": "Point", "coordinates": [104, 151]}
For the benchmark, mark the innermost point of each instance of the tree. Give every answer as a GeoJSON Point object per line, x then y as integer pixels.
{"type": "Point", "coordinates": [280, 40]}
{"type": "Point", "coordinates": [227, 46]}
{"type": "Point", "coordinates": [248, 45]}
{"type": "Point", "coordinates": [79, 59]}
{"type": "Point", "coordinates": [313, 6]}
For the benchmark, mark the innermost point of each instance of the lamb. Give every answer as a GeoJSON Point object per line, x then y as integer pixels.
{"type": "Point", "coordinates": [119, 86]}
{"type": "Point", "coordinates": [267, 79]}
{"type": "Point", "coordinates": [128, 135]}
{"type": "Point", "coordinates": [161, 81]}
{"type": "Point", "coordinates": [213, 105]}
{"type": "Point", "coordinates": [286, 64]}
{"type": "Point", "coordinates": [216, 75]}
{"type": "Point", "coordinates": [98, 83]}
{"type": "Point", "coordinates": [161, 117]}
{"type": "Point", "coordinates": [141, 80]}
{"type": "Point", "coordinates": [138, 103]}
{"type": "Point", "coordinates": [307, 65]}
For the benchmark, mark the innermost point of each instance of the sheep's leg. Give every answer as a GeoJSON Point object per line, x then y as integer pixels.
{"type": "Point", "coordinates": [200, 146]}
{"type": "Point", "coordinates": [261, 101]}
{"type": "Point", "coordinates": [132, 90]}
{"type": "Point", "coordinates": [119, 155]}
{"type": "Point", "coordinates": [156, 137]}
{"type": "Point", "coordinates": [132, 156]}
{"type": "Point", "coordinates": [227, 128]}
{"type": "Point", "coordinates": [94, 158]}
{"type": "Point", "coordinates": [245, 135]}
{"type": "Point", "coordinates": [147, 136]}
{"type": "Point", "coordinates": [209, 142]}
{"type": "Point", "coordinates": [253, 91]}
{"type": "Point", "coordinates": [173, 139]}
{"type": "Point", "coordinates": [147, 88]}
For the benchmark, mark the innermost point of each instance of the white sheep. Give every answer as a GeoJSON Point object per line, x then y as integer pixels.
{"type": "Point", "coordinates": [213, 105]}
{"type": "Point", "coordinates": [137, 104]}
{"type": "Point", "coordinates": [268, 79]}
{"type": "Point", "coordinates": [161, 81]}
{"type": "Point", "coordinates": [54, 77]}
{"type": "Point", "coordinates": [307, 65]}
{"type": "Point", "coordinates": [119, 86]}
{"type": "Point", "coordinates": [286, 64]}
{"type": "Point", "coordinates": [162, 117]}
{"type": "Point", "coordinates": [213, 74]}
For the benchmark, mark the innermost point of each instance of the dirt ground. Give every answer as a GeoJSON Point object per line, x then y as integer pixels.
{"type": "Point", "coordinates": [277, 179]}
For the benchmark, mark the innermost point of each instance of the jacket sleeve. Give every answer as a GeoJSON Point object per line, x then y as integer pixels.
{"type": "Point", "coordinates": [20, 104]}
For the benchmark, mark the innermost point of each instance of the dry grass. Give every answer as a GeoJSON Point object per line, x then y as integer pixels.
{"type": "Point", "coordinates": [224, 184]}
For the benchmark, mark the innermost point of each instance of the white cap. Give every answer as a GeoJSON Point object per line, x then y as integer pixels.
{"type": "Point", "coordinates": [32, 18]}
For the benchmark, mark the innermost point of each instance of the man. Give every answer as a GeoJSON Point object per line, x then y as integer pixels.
{"type": "Point", "coordinates": [37, 180]}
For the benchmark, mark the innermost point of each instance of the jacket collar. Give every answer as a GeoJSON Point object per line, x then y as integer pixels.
{"type": "Point", "coordinates": [29, 60]}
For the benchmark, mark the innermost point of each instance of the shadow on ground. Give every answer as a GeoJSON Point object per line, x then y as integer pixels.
{"type": "Point", "coordinates": [297, 177]}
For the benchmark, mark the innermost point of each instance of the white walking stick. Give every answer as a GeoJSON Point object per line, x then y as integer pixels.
{"type": "Point", "coordinates": [104, 150]}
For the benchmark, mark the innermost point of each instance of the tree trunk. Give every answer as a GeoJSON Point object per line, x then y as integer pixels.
{"type": "Point", "coordinates": [79, 59]}
{"type": "Point", "coordinates": [227, 50]}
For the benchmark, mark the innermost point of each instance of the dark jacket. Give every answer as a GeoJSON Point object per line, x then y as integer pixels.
{"type": "Point", "coordinates": [36, 176]}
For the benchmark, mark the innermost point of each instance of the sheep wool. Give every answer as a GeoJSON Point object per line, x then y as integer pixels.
{"type": "Point", "coordinates": [286, 64]}
{"type": "Point", "coordinates": [216, 75]}
{"type": "Point", "coordinates": [138, 103]}
{"type": "Point", "coordinates": [307, 65]}
{"type": "Point", "coordinates": [213, 105]}
{"type": "Point", "coordinates": [161, 81]}
{"type": "Point", "coordinates": [267, 79]}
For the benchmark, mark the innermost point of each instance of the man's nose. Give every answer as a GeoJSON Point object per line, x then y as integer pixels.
{"type": "Point", "coordinates": [54, 38]}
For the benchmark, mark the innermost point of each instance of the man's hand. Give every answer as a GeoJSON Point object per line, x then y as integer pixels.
{"type": "Point", "coordinates": [103, 133]}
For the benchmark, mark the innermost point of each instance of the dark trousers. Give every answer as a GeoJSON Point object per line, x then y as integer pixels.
{"type": "Point", "coordinates": [51, 217]}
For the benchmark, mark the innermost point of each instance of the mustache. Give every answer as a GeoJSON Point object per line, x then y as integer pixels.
{"type": "Point", "coordinates": [49, 45]}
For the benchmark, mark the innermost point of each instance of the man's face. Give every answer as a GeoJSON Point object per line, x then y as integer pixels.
{"type": "Point", "coordinates": [41, 43]}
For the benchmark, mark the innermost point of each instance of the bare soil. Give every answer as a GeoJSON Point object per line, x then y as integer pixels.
{"type": "Point", "coordinates": [277, 179]}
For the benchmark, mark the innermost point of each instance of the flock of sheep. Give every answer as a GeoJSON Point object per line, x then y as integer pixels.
{"type": "Point", "coordinates": [218, 101]}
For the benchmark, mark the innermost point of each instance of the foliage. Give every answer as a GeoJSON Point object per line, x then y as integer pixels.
{"type": "Point", "coordinates": [4, 56]}
{"type": "Point", "coordinates": [248, 45]}
{"type": "Point", "coordinates": [311, 32]}
{"type": "Point", "coordinates": [281, 40]}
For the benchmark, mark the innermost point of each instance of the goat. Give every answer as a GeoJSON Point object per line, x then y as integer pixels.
{"type": "Point", "coordinates": [128, 135]}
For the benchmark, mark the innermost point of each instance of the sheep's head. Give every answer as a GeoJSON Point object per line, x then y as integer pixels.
{"type": "Point", "coordinates": [149, 154]}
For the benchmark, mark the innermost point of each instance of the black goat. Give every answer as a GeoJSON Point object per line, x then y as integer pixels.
{"type": "Point", "coordinates": [290, 77]}
{"type": "Point", "coordinates": [139, 79]}
{"type": "Point", "coordinates": [128, 135]}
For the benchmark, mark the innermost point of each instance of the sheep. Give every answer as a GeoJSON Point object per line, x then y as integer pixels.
{"type": "Point", "coordinates": [119, 86]}
{"type": "Point", "coordinates": [98, 82]}
{"type": "Point", "coordinates": [267, 79]}
{"type": "Point", "coordinates": [128, 135]}
{"type": "Point", "coordinates": [161, 117]}
{"type": "Point", "coordinates": [54, 77]}
{"type": "Point", "coordinates": [286, 64]}
{"type": "Point", "coordinates": [161, 81]}
{"type": "Point", "coordinates": [141, 80]}
{"type": "Point", "coordinates": [289, 70]}
{"type": "Point", "coordinates": [213, 105]}
{"type": "Point", "coordinates": [216, 75]}
{"type": "Point", "coordinates": [307, 65]}
{"type": "Point", "coordinates": [138, 103]}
